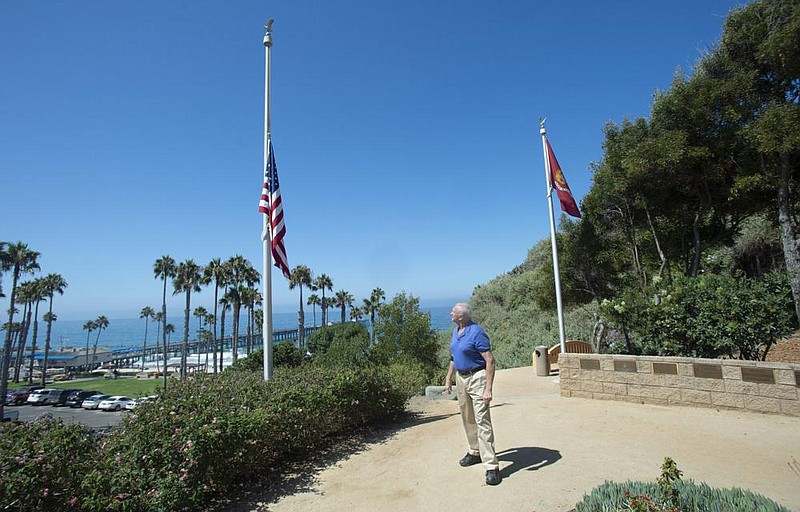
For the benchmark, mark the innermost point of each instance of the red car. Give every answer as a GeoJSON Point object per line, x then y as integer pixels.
{"type": "Point", "coordinates": [19, 396]}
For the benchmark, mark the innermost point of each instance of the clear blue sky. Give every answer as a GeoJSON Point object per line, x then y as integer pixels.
{"type": "Point", "coordinates": [406, 133]}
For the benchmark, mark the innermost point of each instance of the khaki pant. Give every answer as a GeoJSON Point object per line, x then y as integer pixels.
{"type": "Point", "coordinates": [476, 417]}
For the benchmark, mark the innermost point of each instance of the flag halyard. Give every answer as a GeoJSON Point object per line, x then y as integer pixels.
{"type": "Point", "coordinates": [271, 205]}
{"type": "Point", "coordinates": [558, 182]}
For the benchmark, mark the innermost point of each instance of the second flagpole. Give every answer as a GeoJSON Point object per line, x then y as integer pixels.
{"type": "Point", "coordinates": [266, 324]}
{"type": "Point", "coordinates": [556, 273]}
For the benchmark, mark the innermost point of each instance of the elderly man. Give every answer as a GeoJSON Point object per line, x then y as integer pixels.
{"type": "Point", "coordinates": [471, 359]}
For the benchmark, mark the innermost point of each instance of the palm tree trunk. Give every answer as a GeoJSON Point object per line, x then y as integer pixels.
{"type": "Point", "coordinates": [164, 328]}
{"type": "Point", "coordinates": [222, 339]}
{"type": "Point", "coordinates": [7, 344]}
{"type": "Point", "coordinates": [235, 340]}
{"type": "Point", "coordinates": [185, 347]}
{"type": "Point", "coordinates": [214, 339]}
{"type": "Point", "coordinates": [47, 341]}
{"type": "Point", "coordinates": [301, 320]}
{"type": "Point", "coordinates": [144, 346]}
{"type": "Point", "coordinates": [33, 342]}
{"type": "Point", "coordinates": [22, 342]}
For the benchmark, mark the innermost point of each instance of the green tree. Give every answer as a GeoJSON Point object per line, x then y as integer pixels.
{"type": "Point", "coordinates": [200, 313]}
{"type": "Point", "coordinates": [219, 273]}
{"type": "Point", "coordinates": [147, 313]}
{"type": "Point", "coordinates": [187, 279]}
{"type": "Point", "coordinates": [758, 59]}
{"type": "Point", "coordinates": [164, 269]}
{"type": "Point", "coordinates": [89, 326]}
{"type": "Point", "coordinates": [343, 345]}
{"type": "Point", "coordinates": [53, 283]}
{"type": "Point", "coordinates": [41, 294]}
{"type": "Point", "coordinates": [342, 300]}
{"type": "Point", "coordinates": [18, 259]}
{"type": "Point", "coordinates": [313, 300]}
{"type": "Point", "coordinates": [27, 295]}
{"type": "Point", "coordinates": [323, 282]}
{"type": "Point", "coordinates": [300, 277]}
{"type": "Point", "coordinates": [100, 324]}
{"type": "Point", "coordinates": [403, 331]}
{"type": "Point", "coordinates": [370, 306]}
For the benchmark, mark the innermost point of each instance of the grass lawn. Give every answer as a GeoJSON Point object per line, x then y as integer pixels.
{"type": "Point", "coordinates": [127, 386]}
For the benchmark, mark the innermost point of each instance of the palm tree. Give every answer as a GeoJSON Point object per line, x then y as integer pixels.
{"type": "Point", "coordinates": [170, 328]}
{"type": "Point", "coordinates": [240, 274]}
{"type": "Point", "coordinates": [187, 279]}
{"type": "Point", "coordinates": [371, 305]}
{"type": "Point", "coordinates": [300, 276]}
{"type": "Point", "coordinates": [210, 320]}
{"type": "Point", "coordinates": [200, 313]}
{"type": "Point", "coordinates": [252, 297]}
{"type": "Point", "coordinates": [42, 294]}
{"type": "Point", "coordinates": [323, 282]}
{"type": "Point", "coordinates": [343, 299]}
{"type": "Point", "coordinates": [218, 272]}
{"type": "Point", "coordinates": [18, 259]}
{"type": "Point", "coordinates": [157, 319]}
{"type": "Point", "coordinates": [146, 313]}
{"type": "Point", "coordinates": [356, 314]}
{"type": "Point", "coordinates": [88, 327]}
{"type": "Point", "coordinates": [27, 295]}
{"type": "Point", "coordinates": [53, 283]}
{"type": "Point", "coordinates": [100, 323]}
{"type": "Point", "coordinates": [314, 301]}
{"type": "Point", "coordinates": [225, 306]}
{"type": "Point", "coordinates": [164, 268]}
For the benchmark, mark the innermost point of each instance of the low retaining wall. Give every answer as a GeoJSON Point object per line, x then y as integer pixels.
{"type": "Point", "coordinates": [719, 383]}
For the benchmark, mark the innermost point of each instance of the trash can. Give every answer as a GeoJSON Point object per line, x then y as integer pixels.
{"type": "Point", "coordinates": [541, 362]}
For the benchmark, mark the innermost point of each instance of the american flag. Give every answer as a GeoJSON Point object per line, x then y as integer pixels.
{"type": "Point", "coordinates": [271, 205]}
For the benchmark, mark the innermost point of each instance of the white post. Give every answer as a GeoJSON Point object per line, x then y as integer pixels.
{"type": "Point", "coordinates": [266, 326]}
{"type": "Point", "coordinates": [561, 337]}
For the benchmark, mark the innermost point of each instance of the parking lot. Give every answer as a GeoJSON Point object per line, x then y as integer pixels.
{"type": "Point", "coordinates": [94, 419]}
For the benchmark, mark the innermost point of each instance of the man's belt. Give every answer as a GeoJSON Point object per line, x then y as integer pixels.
{"type": "Point", "coordinates": [467, 373]}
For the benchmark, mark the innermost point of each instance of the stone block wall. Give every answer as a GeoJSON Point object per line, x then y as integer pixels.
{"type": "Point", "coordinates": [718, 383]}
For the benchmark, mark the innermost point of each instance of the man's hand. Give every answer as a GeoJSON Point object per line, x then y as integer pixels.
{"type": "Point", "coordinates": [487, 395]}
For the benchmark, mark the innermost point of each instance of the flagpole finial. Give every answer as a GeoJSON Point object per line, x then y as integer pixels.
{"type": "Point", "coordinates": [268, 35]}
{"type": "Point", "coordinates": [541, 125]}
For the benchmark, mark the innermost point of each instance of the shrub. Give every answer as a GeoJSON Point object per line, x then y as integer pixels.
{"type": "Point", "coordinates": [675, 495]}
{"type": "Point", "coordinates": [39, 462]}
{"type": "Point", "coordinates": [706, 316]}
{"type": "Point", "coordinates": [350, 332]}
{"type": "Point", "coordinates": [408, 375]}
{"type": "Point", "coordinates": [215, 431]}
{"type": "Point", "coordinates": [348, 348]}
{"type": "Point", "coordinates": [403, 331]}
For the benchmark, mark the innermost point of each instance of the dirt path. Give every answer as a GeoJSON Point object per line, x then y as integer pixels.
{"type": "Point", "coordinates": [552, 450]}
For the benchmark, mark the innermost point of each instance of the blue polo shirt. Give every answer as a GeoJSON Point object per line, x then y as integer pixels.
{"type": "Point", "coordinates": [467, 347]}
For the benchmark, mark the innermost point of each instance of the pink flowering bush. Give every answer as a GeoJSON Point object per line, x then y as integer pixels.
{"type": "Point", "coordinates": [214, 431]}
{"type": "Point", "coordinates": [39, 462]}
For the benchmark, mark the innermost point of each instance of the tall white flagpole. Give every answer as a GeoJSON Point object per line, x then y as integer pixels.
{"type": "Point", "coordinates": [266, 235]}
{"type": "Point", "coordinates": [556, 274]}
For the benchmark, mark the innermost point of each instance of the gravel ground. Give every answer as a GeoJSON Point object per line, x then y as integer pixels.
{"type": "Point", "coordinates": [786, 350]}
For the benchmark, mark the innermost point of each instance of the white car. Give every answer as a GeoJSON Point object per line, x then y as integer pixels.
{"type": "Point", "coordinates": [115, 403]}
{"type": "Point", "coordinates": [139, 401]}
{"type": "Point", "coordinates": [93, 402]}
{"type": "Point", "coordinates": [39, 396]}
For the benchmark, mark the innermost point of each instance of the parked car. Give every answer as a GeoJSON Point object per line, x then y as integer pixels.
{"type": "Point", "coordinates": [58, 397]}
{"type": "Point", "coordinates": [39, 396]}
{"type": "Point", "coordinates": [139, 401]}
{"type": "Point", "coordinates": [115, 403]}
{"type": "Point", "coordinates": [94, 401]}
{"type": "Point", "coordinates": [20, 396]}
{"type": "Point", "coordinates": [76, 398]}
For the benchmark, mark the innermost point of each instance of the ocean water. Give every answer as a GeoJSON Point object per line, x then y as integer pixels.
{"type": "Point", "coordinates": [129, 332]}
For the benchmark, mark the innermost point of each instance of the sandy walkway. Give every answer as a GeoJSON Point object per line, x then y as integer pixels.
{"type": "Point", "coordinates": [552, 450]}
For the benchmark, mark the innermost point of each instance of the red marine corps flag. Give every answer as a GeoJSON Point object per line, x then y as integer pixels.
{"type": "Point", "coordinates": [558, 182]}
